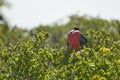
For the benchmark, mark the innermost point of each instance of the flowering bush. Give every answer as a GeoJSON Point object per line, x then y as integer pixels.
{"type": "Point", "coordinates": [32, 61]}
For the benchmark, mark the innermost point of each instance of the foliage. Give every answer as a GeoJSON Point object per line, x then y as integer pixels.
{"type": "Point", "coordinates": [13, 35]}
{"type": "Point", "coordinates": [1, 3]}
{"type": "Point", "coordinates": [32, 61]}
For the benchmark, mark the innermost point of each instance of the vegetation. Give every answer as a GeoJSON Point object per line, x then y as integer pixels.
{"type": "Point", "coordinates": [41, 53]}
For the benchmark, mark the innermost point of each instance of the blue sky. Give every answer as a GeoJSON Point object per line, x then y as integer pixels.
{"type": "Point", "coordinates": [30, 13]}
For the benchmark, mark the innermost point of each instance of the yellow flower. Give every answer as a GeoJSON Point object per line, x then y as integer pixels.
{"type": "Point", "coordinates": [104, 49]}
{"type": "Point", "coordinates": [95, 77]}
{"type": "Point", "coordinates": [102, 78]}
{"type": "Point", "coordinates": [78, 53]}
{"type": "Point", "coordinates": [98, 77]}
{"type": "Point", "coordinates": [118, 61]}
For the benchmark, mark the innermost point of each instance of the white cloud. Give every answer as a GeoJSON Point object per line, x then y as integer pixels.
{"type": "Point", "coordinates": [31, 13]}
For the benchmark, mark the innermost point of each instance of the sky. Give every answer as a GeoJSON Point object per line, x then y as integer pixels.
{"type": "Point", "coordinates": [27, 14]}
